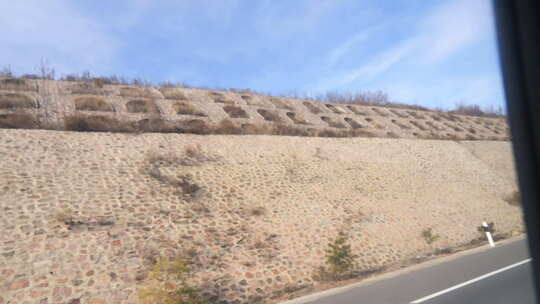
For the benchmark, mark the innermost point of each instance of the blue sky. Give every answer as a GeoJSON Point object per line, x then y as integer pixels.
{"type": "Point", "coordinates": [434, 53]}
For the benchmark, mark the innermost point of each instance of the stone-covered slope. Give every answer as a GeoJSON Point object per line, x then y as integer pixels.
{"type": "Point", "coordinates": [83, 214]}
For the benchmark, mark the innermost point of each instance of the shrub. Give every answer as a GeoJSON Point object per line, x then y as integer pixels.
{"type": "Point", "coordinates": [169, 284]}
{"type": "Point", "coordinates": [514, 199]}
{"type": "Point", "coordinates": [340, 261]}
{"type": "Point", "coordinates": [92, 104]}
{"type": "Point", "coordinates": [13, 100]}
{"type": "Point", "coordinates": [429, 236]}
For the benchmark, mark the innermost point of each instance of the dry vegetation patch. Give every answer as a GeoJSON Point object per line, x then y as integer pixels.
{"type": "Point", "coordinates": [142, 106]}
{"type": "Point", "coordinates": [14, 100]}
{"type": "Point", "coordinates": [88, 88]}
{"type": "Point", "coordinates": [19, 121]}
{"type": "Point", "coordinates": [91, 103]}
{"type": "Point", "coordinates": [235, 111]}
{"type": "Point", "coordinates": [514, 199]}
{"type": "Point", "coordinates": [332, 123]}
{"type": "Point", "coordinates": [312, 107]}
{"type": "Point", "coordinates": [135, 92]}
{"type": "Point", "coordinates": [281, 104]}
{"type": "Point", "coordinates": [269, 115]}
{"type": "Point", "coordinates": [172, 94]}
{"type": "Point", "coordinates": [184, 108]}
{"type": "Point", "coordinates": [17, 84]}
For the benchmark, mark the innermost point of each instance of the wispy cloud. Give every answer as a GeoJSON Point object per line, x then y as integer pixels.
{"type": "Point", "coordinates": [442, 32]}
{"type": "Point", "coordinates": [454, 26]}
{"type": "Point", "coordinates": [338, 52]}
{"type": "Point", "coordinates": [370, 70]}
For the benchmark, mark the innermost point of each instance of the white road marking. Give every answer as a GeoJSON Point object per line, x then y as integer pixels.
{"type": "Point", "coordinates": [431, 296]}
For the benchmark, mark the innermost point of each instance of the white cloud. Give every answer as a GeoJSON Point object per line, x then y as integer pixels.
{"type": "Point", "coordinates": [51, 29]}
{"type": "Point", "coordinates": [442, 32]}
{"type": "Point", "coordinates": [370, 70]}
{"type": "Point", "coordinates": [454, 26]}
{"type": "Point", "coordinates": [336, 53]}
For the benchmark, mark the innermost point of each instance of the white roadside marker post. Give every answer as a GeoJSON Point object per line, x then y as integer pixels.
{"type": "Point", "coordinates": [488, 234]}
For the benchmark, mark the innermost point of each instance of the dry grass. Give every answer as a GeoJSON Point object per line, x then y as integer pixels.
{"type": "Point", "coordinates": [356, 111]}
{"type": "Point", "coordinates": [281, 104]}
{"type": "Point", "coordinates": [380, 112]}
{"type": "Point", "coordinates": [333, 109]}
{"type": "Point", "coordinates": [96, 124]}
{"type": "Point", "coordinates": [184, 108]}
{"type": "Point", "coordinates": [172, 94]}
{"type": "Point", "coordinates": [353, 123]}
{"type": "Point", "coordinates": [135, 92]}
{"type": "Point", "coordinates": [17, 84]}
{"type": "Point", "coordinates": [418, 125]}
{"type": "Point", "coordinates": [400, 125]}
{"type": "Point", "coordinates": [332, 123]}
{"type": "Point", "coordinates": [14, 100]}
{"type": "Point", "coordinates": [90, 88]}
{"type": "Point", "coordinates": [514, 199]}
{"type": "Point", "coordinates": [19, 121]}
{"type": "Point", "coordinates": [257, 211]}
{"type": "Point", "coordinates": [269, 115]}
{"type": "Point", "coordinates": [235, 111]}
{"type": "Point", "coordinates": [142, 106]}
{"type": "Point", "coordinates": [297, 120]}
{"type": "Point", "coordinates": [416, 115]}
{"type": "Point", "coordinates": [399, 114]}
{"type": "Point", "coordinates": [312, 107]}
{"type": "Point", "coordinates": [92, 104]}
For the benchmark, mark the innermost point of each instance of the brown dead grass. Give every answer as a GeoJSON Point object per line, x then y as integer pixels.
{"type": "Point", "coordinates": [312, 107]}
{"type": "Point", "coordinates": [18, 121]}
{"type": "Point", "coordinates": [142, 106]}
{"type": "Point", "coordinates": [332, 123]}
{"type": "Point", "coordinates": [281, 104]}
{"type": "Point", "coordinates": [91, 103]}
{"type": "Point", "coordinates": [296, 119]}
{"type": "Point", "coordinates": [135, 92]}
{"type": "Point", "coordinates": [17, 84]}
{"type": "Point", "coordinates": [172, 94]}
{"type": "Point", "coordinates": [184, 108]}
{"type": "Point", "coordinates": [96, 123]}
{"type": "Point", "coordinates": [14, 100]}
{"type": "Point", "coordinates": [514, 199]}
{"type": "Point", "coordinates": [269, 115]}
{"type": "Point", "coordinates": [235, 111]}
{"type": "Point", "coordinates": [356, 111]}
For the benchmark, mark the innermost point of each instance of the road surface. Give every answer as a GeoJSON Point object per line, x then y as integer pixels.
{"type": "Point", "coordinates": [502, 274]}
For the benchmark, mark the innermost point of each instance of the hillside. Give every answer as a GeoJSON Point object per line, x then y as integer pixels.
{"type": "Point", "coordinates": [84, 215]}
{"type": "Point", "coordinates": [95, 106]}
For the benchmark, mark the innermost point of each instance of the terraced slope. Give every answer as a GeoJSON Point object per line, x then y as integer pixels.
{"type": "Point", "coordinates": [45, 104]}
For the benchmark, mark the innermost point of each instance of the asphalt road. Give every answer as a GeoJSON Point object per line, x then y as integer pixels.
{"type": "Point", "coordinates": [484, 275]}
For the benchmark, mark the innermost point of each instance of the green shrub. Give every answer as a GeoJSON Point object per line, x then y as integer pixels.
{"type": "Point", "coordinates": [429, 236]}
{"type": "Point", "coordinates": [169, 284]}
{"type": "Point", "coordinates": [340, 261]}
